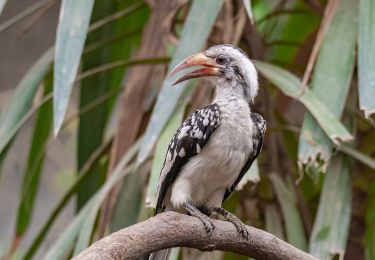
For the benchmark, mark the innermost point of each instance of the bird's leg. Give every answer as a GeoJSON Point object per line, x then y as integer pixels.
{"type": "Point", "coordinates": [207, 222]}
{"type": "Point", "coordinates": [241, 227]}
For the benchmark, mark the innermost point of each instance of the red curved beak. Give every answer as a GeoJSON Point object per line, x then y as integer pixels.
{"type": "Point", "coordinates": [211, 67]}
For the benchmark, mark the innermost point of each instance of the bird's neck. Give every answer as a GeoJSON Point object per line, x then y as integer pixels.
{"type": "Point", "coordinates": [229, 92]}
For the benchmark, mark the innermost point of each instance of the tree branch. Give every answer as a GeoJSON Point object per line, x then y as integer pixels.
{"type": "Point", "coordinates": [172, 229]}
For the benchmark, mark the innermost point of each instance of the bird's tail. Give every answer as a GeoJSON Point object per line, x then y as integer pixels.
{"type": "Point", "coordinates": [159, 255]}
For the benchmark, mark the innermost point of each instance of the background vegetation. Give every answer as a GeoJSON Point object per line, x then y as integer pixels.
{"type": "Point", "coordinates": [314, 183]}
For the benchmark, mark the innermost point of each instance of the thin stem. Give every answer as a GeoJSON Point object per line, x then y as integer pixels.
{"type": "Point", "coordinates": [115, 16]}
{"type": "Point", "coordinates": [281, 12]}
{"type": "Point", "coordinates": [28, 11]}
{"type": "Point", "coordinates": [119, 64]}
{"type": "Point", "coordinates": [100, 44]}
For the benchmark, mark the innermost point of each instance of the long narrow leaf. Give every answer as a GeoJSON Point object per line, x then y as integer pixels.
{"type": "Point", "coordinates": [193, 37]}
{"type": "Point", "coordinates": [333, 74]}
{"type": "Point", "coordinates": [292, 219]}
{"type": "Point", "coordinates": [129, 202]}
{"type": "Point", "coordinates": [366, 56]}
{"type": "Point", "coordinates": [71, 35]}
{"type": "Point", "coordinates": [331, 228]}
{"type": "Point", "coordinates": [39, 238]}
{"type": "Point", "coordinates": [91, 89]}
{"type": "Point", "coordinates": [62, 245]}
{"type": "Point", "coordinates": [273, 221]}
{"type": "Point", "coordinates": [87, 227]}
{"type": "Point", "coordinates": [249, 10]}
{"type": "Point", "coordinates": [21, 100]}
{"type": "Point", "coordinates": [2, 5]}
{"type": "Point", "coordinates": [290, 86]}
{"type": "Point", "coordinates": [35, 162]}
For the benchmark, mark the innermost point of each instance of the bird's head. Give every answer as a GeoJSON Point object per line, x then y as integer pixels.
{"type": "Point", "coordinates": [228, 64]}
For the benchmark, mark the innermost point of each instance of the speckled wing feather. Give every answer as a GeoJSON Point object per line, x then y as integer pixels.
{"type": "Point", "coordinates": [258, 136]}
{"type": "Point", "coordinates": [187, 142]}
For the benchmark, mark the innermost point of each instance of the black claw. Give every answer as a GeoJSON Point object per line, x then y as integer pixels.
{"type": "Point", "coordinates": [244, 232]}
{"type": "Point", "coordinates": [241, 228]}
{"type": "Point", "coordinates": [208, 225]}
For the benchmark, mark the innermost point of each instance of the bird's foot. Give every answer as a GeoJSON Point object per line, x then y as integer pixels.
{"type": "Point", "coordinates": [195, 212]}
{"type": "Point", "coordinates": [241, 227]}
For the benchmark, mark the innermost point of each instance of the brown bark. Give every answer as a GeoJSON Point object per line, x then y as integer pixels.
{"type": "Point", "coordinates": [172, 229]}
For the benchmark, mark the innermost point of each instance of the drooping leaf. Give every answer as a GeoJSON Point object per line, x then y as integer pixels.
{"type": "Point", "coordinates": [249, 10]}
{"type": "Point", "coordinates": [193, 37]}
{"type": "Point", "coordinates": [71, 35]}
{"type": "Point", "coordinates": [366, 56]}
{"type": "Point", "coordinates": [290, 86]}
{"type": "Point", "coordinates": [292, 218]}
{"type": "Point", "coordinates": [332, 74]}
{"type": "Point", "coordinates": [21, 101]}
{"type": "Point", "coordinates": [84, 172]}
{"type": "Point", "coordinates": [2, 5]}
{"type": "Point", "coordinates": [35, 161]}
{"type": "Point", "coordinates": [66, 240]}
{"type": "Point", "coordinates": [331, 228]}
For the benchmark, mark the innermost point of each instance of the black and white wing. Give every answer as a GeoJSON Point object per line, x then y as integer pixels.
{"type": "Point", "coordinates": [258, 136]}
{"type": "Point", "coordinates": [187, 142]}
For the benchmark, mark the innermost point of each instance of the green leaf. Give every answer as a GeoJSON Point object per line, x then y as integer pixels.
{"type": "Point", "coordinates": [2, 5]}
{"type": "Point", "coordinates": [249, 11]}
{"type": "Point", "coordinates": [35, 162]}
{"type": "Point", "coordinates": [71, 34]}
{"type": "Point", "coordinates": [366, 56]}
{"type": "Point", "coordinates": [370, 223]}
{"type": "Point", "coordinates": [129, 202]}
{"type": "Point", "coordinates": [87, 227]}
{"type": "Point", "coordinates": [292, 219]}
{"type": "Point", "coordinates": [84, 172]}
{"type": "Point", "coordinates": [290, 86]}
{"type": "Point", "coordinates": [101, 84]}
{"type": "Point", "coordinates": [333, 71]}
{"type": "Point", "coordinates": [12, 116]}
{"type": "Point", "coordinates": [331, 228]}
{"type": "Point", "coordinates": [193, 37]}
{"type": "Point", "coordinates": [273, 221]}
{"type": "Point", "coordinates": [296, 31]}
{"type": "Point", "coordinates": [63, 244]}
{"type": "Point", "coordinates": [91, 89]}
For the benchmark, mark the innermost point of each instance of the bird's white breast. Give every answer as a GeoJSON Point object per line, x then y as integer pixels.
{"type": "Point", "coordinates": [204, 179]}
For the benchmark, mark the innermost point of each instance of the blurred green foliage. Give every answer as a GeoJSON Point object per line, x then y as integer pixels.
{"type": "Point", "coordinates": [309, 186]}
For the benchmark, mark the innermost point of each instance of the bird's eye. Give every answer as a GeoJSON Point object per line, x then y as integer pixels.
{"type": "Point", "coordinates": [221, 59]}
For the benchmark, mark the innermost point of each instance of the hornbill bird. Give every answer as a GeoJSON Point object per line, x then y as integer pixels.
{"type": "Point", "coordinates": [216, 145]}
